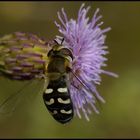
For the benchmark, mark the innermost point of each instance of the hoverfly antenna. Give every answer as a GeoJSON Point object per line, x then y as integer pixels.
{"type": "Point", "coordinates": [59, 41]}
{"type": "Point", "coordinates": [62, 41]}
{"type": "Point", "coordinates": [56, 41]}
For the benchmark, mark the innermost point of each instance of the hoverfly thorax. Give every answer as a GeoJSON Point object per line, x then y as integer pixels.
{"type": "Point", "coordinates": [57, 94]}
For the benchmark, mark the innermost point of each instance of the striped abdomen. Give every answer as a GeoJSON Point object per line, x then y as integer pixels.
{"type": "Point", "coordinates": [57, 100]}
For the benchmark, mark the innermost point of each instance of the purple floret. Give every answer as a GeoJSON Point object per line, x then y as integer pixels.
{"type": "Point", "coordinates": [87, 41]}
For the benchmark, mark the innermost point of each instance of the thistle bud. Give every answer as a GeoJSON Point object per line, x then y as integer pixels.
{"type": "Point", "coordinates": [23, 55]}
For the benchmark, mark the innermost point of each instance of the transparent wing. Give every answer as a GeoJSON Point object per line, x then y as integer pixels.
{"type": "Point", "coordinates": [21, 92]}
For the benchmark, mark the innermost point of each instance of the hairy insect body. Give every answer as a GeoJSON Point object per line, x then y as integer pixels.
{"type": "Point", "coordinates": [57, 95]}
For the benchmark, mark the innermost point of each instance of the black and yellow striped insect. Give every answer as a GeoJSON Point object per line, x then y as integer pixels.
{"type": "Point", "coordinates": [57, 95]}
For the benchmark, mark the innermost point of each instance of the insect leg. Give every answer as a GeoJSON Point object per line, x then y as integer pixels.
{"type": "Point", "coordinates": [85, 86]}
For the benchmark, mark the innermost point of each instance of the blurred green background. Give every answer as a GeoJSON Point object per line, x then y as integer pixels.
{"type": "Point", "coordinates": [120, 115]}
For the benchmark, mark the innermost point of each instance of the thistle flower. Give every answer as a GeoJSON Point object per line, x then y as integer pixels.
{"type": "Point", "coordinates": [87, 41]}
{"type": "Point", "coordinates": [22, 55]}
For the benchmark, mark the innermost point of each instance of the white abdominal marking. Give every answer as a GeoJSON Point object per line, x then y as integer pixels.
{"type": "Point", "coordinates": [48, 91]}
{"type": "Point", "coordinates": [66, 112]}
{"type": "Point", "coordinates": [55, 112]}
{"type": "Point", "coordinates": [50, 102]}
{"type": "Point", "coordinates": [62, 90]}
{"type": "Point", "coordinates": [63, 101]}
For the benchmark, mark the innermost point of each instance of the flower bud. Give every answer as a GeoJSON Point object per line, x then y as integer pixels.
{"type": "Point", "coordinates": [23, 55]}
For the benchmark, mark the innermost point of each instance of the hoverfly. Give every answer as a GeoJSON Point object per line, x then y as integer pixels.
{"type": "Point", "coordinates": [53, 65]}
{"type": "Point", "coordinates": [55, 73]}
{"type": "Point", "coordinates": [57, 94]}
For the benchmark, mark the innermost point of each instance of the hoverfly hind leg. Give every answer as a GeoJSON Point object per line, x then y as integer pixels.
{"type": "Point", "coordinates": [85, 86]}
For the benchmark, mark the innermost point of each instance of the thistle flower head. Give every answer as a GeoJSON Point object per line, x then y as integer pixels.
{"type": "Point", "coordinates": [86, 39]}
{"type": "Point", "coordinates": [22, 55]}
